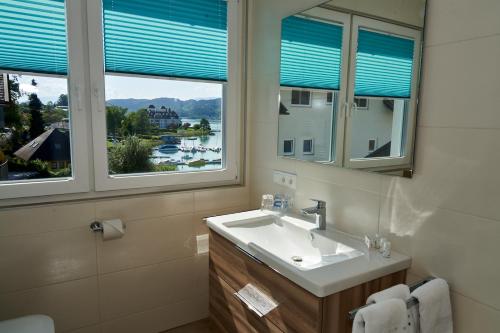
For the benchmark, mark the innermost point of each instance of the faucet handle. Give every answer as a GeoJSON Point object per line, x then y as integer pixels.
{"type": "Point", "coordinates": [319, 203]}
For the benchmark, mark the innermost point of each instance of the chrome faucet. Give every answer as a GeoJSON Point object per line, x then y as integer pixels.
{"type": "Point", "coordinates": [319, 211]}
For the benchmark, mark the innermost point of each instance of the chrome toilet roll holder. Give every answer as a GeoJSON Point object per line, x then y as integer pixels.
{"type": "Point", "coordinates": [96, 226]}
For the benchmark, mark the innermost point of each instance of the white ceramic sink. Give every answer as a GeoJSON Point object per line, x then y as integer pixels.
{"type": "Point", "coordinates": [288, 239]}
{"type": "Point", "coordinates": [320, 261]}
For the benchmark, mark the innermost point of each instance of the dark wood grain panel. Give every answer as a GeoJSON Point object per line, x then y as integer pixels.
{"type": "Point", "coordinates": [229, 315]}
{"type": "Point", "coordinates": [298, 311]}
{"type": "Point", "coordinates": [337, 306]}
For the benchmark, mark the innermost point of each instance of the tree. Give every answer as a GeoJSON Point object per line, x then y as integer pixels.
{"type": "Point", "coordinates": [36, 121]}
{"type": "Point", "coordinates": [115, 116]}
{"type": "Point", "coordinates": [204, 125]}
{"type": "Point", "coordinates": [62, 100]}
{"type": "Point", "coordinates": [53, 114]}
{"type": "Point", "coordinates": [12, 115]}
{"type": "Point", "coordinates": [130, 156]}
{"type": "Point", "coordinates": [186, 126]}
{"type": "Point", "coordinates": [136, 123]}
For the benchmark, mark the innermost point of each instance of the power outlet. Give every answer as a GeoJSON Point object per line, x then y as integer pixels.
{"type": "Point", "coordinates": [285, 179]}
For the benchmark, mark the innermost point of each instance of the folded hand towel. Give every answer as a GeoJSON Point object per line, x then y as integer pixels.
{"type": "Point", "coordinates": [388, 316]}
{"type": "Point", "coordinates": [400, 291]}
{"type": "Point", "coordinates": [434, 307]}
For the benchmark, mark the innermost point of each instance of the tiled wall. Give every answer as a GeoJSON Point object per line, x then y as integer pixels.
{"type": "Point", "coordinates": [447, 218]}
{"type": "Point", "coordinates": [148, 281]}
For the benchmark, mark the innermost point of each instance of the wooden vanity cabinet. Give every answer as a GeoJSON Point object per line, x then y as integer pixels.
{"type": "Point", "coordinates": [298, 310]}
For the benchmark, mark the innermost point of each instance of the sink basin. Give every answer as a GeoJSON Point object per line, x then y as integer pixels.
{"type": "Point", "coordinates": [286, 239]}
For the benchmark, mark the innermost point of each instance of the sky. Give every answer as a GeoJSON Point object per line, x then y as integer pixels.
{"type": "Point", "coordinates": [49, 88]}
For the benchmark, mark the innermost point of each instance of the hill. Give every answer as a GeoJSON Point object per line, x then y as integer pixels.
{"type": "Point", "coordinates": [192, 108]}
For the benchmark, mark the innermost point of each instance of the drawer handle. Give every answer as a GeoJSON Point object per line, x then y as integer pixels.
{"type": "Point", "coordinates": [248, 255]}
{"type": "Point", "coordinates": [248, 305]}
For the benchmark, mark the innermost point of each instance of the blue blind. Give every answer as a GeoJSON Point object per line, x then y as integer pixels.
{"type": "Point", "coordinates": [33, 36]}
{"type": "Point", "coordinates": [310, 53]}
{"type": "Point", "coordinates": [384, 65]}
{"type": "Point", "coordinates": [174, 38]}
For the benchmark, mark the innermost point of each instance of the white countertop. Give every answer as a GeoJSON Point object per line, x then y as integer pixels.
{"type": "Point", "coordinates": [322, 281]}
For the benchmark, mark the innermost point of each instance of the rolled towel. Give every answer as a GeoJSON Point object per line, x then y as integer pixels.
{"type": "Point", "coordinates": [383, 317]}
{"type": "Point", "coordinates": [400, 291]}
{"type": "Point", "coordinates": [434, 307]}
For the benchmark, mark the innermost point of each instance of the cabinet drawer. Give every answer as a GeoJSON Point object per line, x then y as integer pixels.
{"type": "Point", "coordinates": [298, 310]}
{"type": "Point", "coordinates": [229, 314]}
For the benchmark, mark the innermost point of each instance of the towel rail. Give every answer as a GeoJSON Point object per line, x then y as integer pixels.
{"type": "Point", "coordinates": [412, 301]}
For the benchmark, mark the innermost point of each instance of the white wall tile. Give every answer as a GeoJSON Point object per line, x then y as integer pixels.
{"type": "Point", "coordinates": [471, 316]}
{"type": "Point", "coordinates": [455, 169]}
{"type": "Point", "coordinates": [148, 242]}
{"type": "Point", "coordinates": [71, 304]}
{"type": "Point", "coordinates": [444, 243]}
{"type": "Point", "coordinates": [460, 84]}
{"type": "Point", "coordinates": [35, 260]}
{"type": "Point", "coordinates": [161, 318]}
{"type": "Point", "coordinates": [453, 20]}
{"type": "Point", "coordinates": [144, 207]}
{"type": "Point", "coordinates": [220, 198]}
{"type": "Point", "coordinates": [36, 219]}
{"type": "Point", "coordinates": [153, 286]}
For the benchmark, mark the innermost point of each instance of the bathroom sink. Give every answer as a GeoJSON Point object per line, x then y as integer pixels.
{"type": "Point", "coordinates": [321, 261]}
{"type": "Point", "coordinates": [286, 239]}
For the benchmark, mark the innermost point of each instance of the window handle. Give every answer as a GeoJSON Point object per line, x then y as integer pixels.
{"type": "Point", "coordinates": [353, 108]}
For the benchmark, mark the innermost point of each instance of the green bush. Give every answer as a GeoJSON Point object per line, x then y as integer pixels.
{"type": "Point", "coordinates": [130, 156]}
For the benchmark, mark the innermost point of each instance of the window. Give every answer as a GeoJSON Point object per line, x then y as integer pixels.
{"type": "Point", "coordinates": [183, 58]}
{"type": "Point", "coordinates": [39, 149]}
{"type": "Point", "coordinates": [372, 144]}
{"type": "Point", "coordinates": [378, 47]}
{"type": "Point", "coordinates": [308, 146]}
{"type": "Point", "coordinates": [301, 98]}
{"type": "Point", "coordinates": [317, 34]}
{"type": "Point", "coordinates": [329, 98]}
{"type": "Point", "coordinates": [289, 147]}
{"type": "Point", "coordinates": [168, 111]}
{"type": "Point", "coordinates": [361, 103]}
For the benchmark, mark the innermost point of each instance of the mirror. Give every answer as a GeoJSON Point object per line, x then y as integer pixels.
{"type": "Point", "coordinates": [349, 84]}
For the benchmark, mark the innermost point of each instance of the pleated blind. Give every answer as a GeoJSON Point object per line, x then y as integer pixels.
{"type": "Point", "coordinates": [33, 36]}
{"type": "Point", "coordinates": [310, 53]}
{"type": "Point", "coordinates": [384, 65]}
{"type": "Point", "coordinates": [173, 38]}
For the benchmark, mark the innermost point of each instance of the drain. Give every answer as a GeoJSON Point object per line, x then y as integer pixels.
{"type": "Point", "coordinates": [297, 258]}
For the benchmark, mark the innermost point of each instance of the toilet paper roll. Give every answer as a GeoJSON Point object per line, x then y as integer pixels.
{"type": "Point", "coordinates": [112, 229]}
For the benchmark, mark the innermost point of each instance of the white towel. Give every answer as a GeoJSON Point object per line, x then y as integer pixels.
{"type": "Point", "coordinates": [400, 291]}
{"type": "Point", "coordinates": [434, 307]}
{"type": "Point", "coordinates": [388, 316]}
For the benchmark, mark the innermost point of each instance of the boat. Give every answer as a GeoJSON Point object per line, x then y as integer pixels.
{"type": "Point", "coordinates": [187, 157]}
{"type": "Point", "coordinates": [168, 149]}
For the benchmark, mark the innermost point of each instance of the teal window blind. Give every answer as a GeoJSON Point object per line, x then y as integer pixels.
{"type": "Point", "coordinates": [310, 53]}
{"type": "Point", "coordinates": [33, 36]}
{"type": "Point", "coordinates": [170, 38]}
{"type": "Point", "coordinates": [384, 65]}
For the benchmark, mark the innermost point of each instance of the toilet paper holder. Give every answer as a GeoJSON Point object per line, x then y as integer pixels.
{"type": "Point", "coordinates": [96, 226]}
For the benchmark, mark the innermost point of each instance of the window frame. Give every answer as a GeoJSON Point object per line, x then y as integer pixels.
{"type": "Point", "coordinates": [76, 83]}
{"type": "Point", "coordinates": [231, 113]}
{"type": "Point", "coordinates": [397, 30]}
{"type": "Point", "coordinates": [338, 117]}
{"type": "Point", "coordinates": [310, 152]}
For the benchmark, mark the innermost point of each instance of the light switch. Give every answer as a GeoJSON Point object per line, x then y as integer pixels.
{"type": "Point", "coordinates": [285, 179]}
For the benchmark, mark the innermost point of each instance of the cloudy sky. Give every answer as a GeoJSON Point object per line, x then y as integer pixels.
{"type": "Point", "coordinates": [48, 89]}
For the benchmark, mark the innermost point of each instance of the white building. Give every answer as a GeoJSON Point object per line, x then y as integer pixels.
{"type": "Point", "coordinates": [164, 117]}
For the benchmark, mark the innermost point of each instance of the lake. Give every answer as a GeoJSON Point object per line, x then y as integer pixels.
{"type": "Point", "coordinates": [209, 141]}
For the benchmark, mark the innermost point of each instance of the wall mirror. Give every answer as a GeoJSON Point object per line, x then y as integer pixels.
{"type": "Point", "coordinates": [349, 84]}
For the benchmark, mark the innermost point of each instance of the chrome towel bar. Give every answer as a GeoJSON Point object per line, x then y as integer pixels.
{"type": "Point", "coordinates": [412, 301]}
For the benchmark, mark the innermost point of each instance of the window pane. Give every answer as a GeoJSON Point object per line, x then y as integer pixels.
{"type": "Point", "coordinates": [379, 128]}
{"type": "Point", "coordinates": [160, 125]}
{"type": "Point", "coordinates": [305, 97]}
{"type": "Point", "coordinates": [314, 119]}
{"type": "Point", "coordinates": [295, 97]}
{"type": "Point", "coordinates": [34, 128]}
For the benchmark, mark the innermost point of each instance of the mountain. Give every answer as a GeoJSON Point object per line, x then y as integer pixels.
{"type": "Point", "coordinates": [191, 108]}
